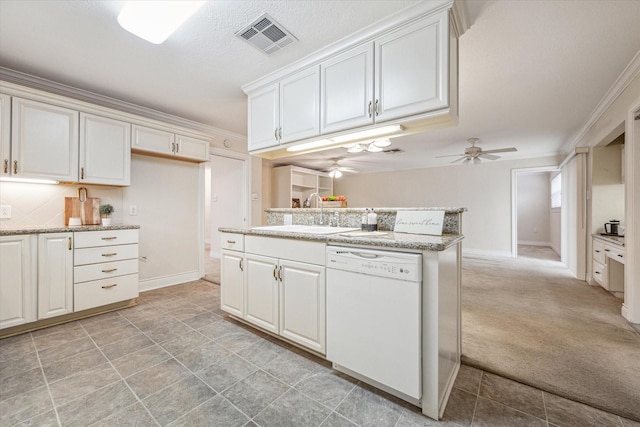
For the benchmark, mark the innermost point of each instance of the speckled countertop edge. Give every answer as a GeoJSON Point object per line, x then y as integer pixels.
{"type": "Point", "coordinates": [63, 229]}
{"type": "Point", "coordinates": [616, 240]}
{"type": "Point", "coordinates": [390, 240]}
{"type": "Point", "coordinates": [448, 210]}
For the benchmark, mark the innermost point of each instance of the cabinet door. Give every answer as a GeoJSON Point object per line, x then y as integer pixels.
{"type": "Point", "coordinates": [264, 118]}
{"type": "Point", "coordinates": [232, 282]}
{"type": "Point", "coordinates": [152, 140]}
{"type": "Point", "coordinates": [55, 274]}
{"type": "Point", "coordinates": [300, 105]}
{"type": "Point", "coordinates": [5, 134]}
{"type": "Point", "coordinates": [411, 73]}
{"type": "Point", "coordinates": [347, 90]}
{"type": "Point", "coordinates": [261, 292]}
{"type": "Point", "coordinates": [105, 151]}
{"type": "Point", "coordinates": [302, 304]}
{"type": "Point", "coordinates": [17, 280]}
{"type": "Point", "coordinates": [192, 148]}
{"type": "Point", "coordinates": [44, 141]}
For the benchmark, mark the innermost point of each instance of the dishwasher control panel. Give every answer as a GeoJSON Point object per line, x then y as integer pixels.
{"type": "Point", "coordinates": [396, 265]}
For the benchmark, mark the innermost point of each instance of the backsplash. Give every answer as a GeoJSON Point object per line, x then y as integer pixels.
{"type": "Point", "coordinates": [43, 205]}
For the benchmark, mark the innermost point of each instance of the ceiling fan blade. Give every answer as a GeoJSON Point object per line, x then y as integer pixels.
{"type": "Point", "coordinates": [466, 161]}
{"type": "Point", "coordinates": [450, 155]}
{"type": "Point", "coordinates": [458, 160]}
{"type": "Point", "coordinates": [489, 156]}
{"type": "Point", "coordinates": [500, 150]}
{"type": "Point", "coordinates": [476, 160]}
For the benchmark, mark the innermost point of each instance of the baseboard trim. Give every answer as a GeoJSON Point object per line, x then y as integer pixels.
{"type": "Point", "coordinates": [485, 253]}
{"type": "Point", "coordinates": [534, 243]}
{"type": "Point", "coordinates": [163, 282]}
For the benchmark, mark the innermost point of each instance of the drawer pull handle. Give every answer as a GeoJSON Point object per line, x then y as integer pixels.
{"type": "Point", "coordinates": [597, 251]}
{"type": "Point", "coordinates": [621, 256]}
{"type": "Point", "coordinates": [111, 254]}
{"type": "Point", "coordinates": [109, 271]}
{"type": "Point", "coordinates": [109, 238]}
{"type": "Point", "coordinates": [606, 250]}
{"type": "Point", "coordinates": [231, 242]}
{"type": "Point", "coordinates": [109, 286]}
{"type": "Point", "coordinates": [597, 272]}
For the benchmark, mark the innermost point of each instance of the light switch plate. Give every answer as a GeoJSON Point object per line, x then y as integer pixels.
{"type": "Point", "coordinates": [5, 212]}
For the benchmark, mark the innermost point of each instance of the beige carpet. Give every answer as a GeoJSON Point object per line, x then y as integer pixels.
{"type": "Point", "coordinates": [529, 320]}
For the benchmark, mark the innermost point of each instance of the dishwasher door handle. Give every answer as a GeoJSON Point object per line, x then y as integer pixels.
{"type": "Point", "coordinates": [367, 255]}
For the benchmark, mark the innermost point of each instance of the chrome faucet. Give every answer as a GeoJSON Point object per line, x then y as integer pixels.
{"type": "Point", "coordinates": [318, 204]}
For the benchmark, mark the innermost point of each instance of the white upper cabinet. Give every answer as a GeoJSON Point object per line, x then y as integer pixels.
{"type": "Point", "coordinates": [168, 144]}
{"type": "Point", "coordinates": [44, 141]}
{"type": "Point", "coordinates": [105, 150]}
{"type": "Point", "coordinates": [300, 105]}
{"type": "Point", "coordinates": [286, 111]}
{"type": "Point", "coordinates": [264, 118]}
{"type": "Point", "coordinates": [403, 72]}
{"type": "Point", "coordinates": [411, 69]}
{"type": "Point", "coordinates": [347, 90]}
{"type": "Point", "coordinates": [5, 133]}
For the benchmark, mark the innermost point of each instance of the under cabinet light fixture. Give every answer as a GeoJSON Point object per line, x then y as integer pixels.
{"type": "Point", "coordinates": [154, 21]}
{"type": "Point", "coordinates": [29, 180]}
{"type": "Point", "coordinates": [311, 145]}
{"type": "Point", "coordinates": [370, 133]}
{"type": "Point", "coordinates": [355, 136]}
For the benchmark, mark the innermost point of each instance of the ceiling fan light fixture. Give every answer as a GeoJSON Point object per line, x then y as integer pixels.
{"type": "Point", "coordinates": [382, 143]}
{"type": "Point", "coordinates": [155, 21]}
{"type": "Point", "coordinates": [335, 173]}
{"type": "Point", "coordinates": [373, 148]}
{"type": "Point", "coordinates": [355, 148]}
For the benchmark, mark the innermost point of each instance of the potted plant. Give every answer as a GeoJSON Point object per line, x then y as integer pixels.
{"type": "Point", "coordinates": [105, 212]}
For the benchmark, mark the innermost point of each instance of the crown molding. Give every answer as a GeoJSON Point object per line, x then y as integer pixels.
{"type": "Point", "coordinates": [460, 16]}
{"type": "Point", "coordinates": [631, 71]}
{"type": "Point", "coordinates": [39, 83]}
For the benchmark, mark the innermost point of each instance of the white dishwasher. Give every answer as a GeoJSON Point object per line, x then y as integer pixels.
{"type": "Point", "coordinates": [374, 318]}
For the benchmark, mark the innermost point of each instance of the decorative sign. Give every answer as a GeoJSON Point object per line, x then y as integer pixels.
{"type": "Point", "coordinates": [419, 222]}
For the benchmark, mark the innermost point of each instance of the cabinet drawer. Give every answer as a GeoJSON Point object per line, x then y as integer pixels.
{"type": "Point", "coordinates": [85, 273]}
{"type": "Point", "coordinates": [89, 239]}
{"type": "Point", "coordinates": [614, 253]}
{"type": "Point", "coordinates": [102, 292]}
{"type": "Point", "coordinates": [233, 241]}
{"type": "Point", "coordinates": [598, 251]}
{"type": "Point", "coordinates": [97, 255]}
{"type": "Point", "coordinates": [598, 272]}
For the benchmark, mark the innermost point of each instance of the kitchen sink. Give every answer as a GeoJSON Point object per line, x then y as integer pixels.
{"type": "Point", "coordinates": [309, 229]}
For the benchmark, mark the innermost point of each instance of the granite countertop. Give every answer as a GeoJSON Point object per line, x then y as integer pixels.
{"type": "Point", "coordinates": [449, 210]}
{"type": "Point", "coordinates": [62, 229]}
{"type": "Point", "coordinates": [389, 239]}
{"type": "Point", "coordinates": [616, 240]}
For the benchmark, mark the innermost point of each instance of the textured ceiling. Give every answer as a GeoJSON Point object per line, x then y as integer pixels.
{"type": "Point", "coordinates": [531, 71]}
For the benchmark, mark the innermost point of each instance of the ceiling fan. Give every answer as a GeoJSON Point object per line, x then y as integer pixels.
{"type": "Point", "coordinates": [335, 170]}
{"type": "Point", "coordinates": [474, 153]}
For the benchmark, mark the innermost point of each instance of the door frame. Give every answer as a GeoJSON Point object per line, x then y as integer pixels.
{"type": "Point", "coordinates": [514, 200]}
{"type": "Point", "coordinates": [246, 158]}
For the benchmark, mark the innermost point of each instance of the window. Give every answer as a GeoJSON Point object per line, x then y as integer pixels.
{"type": "Point", "coordinates": [556, 191]}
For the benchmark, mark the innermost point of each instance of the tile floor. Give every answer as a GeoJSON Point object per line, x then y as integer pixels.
{"type": "Point", "coordinates": [175, 359]}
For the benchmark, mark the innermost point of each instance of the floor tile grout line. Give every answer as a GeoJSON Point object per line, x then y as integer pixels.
{"type": "Point", "coordinates": [475, 406]}
{"type": "Point", "coordinates": [46, 382]}
{"type": "Point", "coordinates": [125, 383]}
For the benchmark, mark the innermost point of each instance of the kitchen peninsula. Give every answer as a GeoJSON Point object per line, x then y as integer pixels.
{"type": "Point", "coordinates": [403, 293]}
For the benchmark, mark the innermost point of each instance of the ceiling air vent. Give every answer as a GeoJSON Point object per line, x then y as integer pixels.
{"type": "Point", "coordinates": [266, 35]}
{"type": "Point", "coordinates": [394, 151]}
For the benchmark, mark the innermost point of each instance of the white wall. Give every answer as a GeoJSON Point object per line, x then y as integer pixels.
{"type": "Point", "coordinates": [534, 192]}
{"type": "Point", "coordinates": [607, 188]}
{"type": "Point", "coordinates": [484, 189]}
{"type": "Point", "coordinates": [169, 195]}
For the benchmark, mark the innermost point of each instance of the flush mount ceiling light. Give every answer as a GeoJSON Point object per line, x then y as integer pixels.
{"type": "Point", "coordinates": [155, 21]}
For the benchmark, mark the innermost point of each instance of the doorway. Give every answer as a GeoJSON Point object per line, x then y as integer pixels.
{"type": "Point", "coordinates": [226, 203]}
{"type": "Point", "coordinates": [535, 222]}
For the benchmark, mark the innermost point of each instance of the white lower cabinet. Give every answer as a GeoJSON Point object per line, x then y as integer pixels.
{"type": "Point", "coordinates": [18, 276]}
{"type": "Point", "coordinates": [232, 274]}
{"type": "Point", "coordinates": [283, 296]}
{"type": "Point", "coordinates": [105, 268]}
{"type": "Point", "coordinates": [302, 304]}
{"type": "Point", "coordinates": [55, 274]}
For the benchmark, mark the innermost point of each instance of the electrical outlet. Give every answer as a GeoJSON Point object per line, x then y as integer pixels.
{"type": "Point", "coordinates": [5, 212]}
{"type": "Point", "coordinates": [133, 210]}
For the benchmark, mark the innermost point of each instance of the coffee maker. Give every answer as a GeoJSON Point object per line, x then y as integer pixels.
{"type": "Point", "coordinates": [611, 228]}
